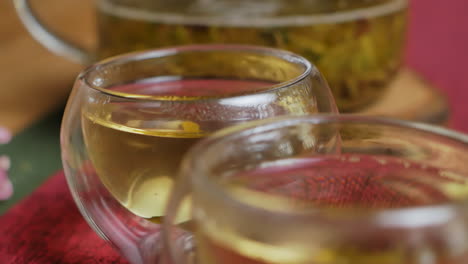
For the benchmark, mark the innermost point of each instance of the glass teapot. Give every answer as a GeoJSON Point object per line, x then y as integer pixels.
{"type": "Point", "coordinates": [357, 44]}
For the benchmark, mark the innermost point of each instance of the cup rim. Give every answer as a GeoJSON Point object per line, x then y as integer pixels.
{"type": "Point", "coordinates": [309, 69]}
{"type": "Point", "coordinates": [390, 217]}
{"type": "Point", "coordinates": [371, 11]}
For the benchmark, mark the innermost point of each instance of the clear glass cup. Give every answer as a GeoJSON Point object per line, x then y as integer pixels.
{"type": "Point", "coordinates": [130, 119]}
{"type": "Point", "coordinates": [323, 189]}
{"type": "Point", "coordinates": [357, 44]}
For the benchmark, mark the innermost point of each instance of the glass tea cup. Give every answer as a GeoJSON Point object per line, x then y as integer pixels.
{"type": "Point", "coordinates": [357, 44]}
{"type": "Point", "coordinates": [130, 119]}
{"type": "Point", "coordinates": [323, 189]}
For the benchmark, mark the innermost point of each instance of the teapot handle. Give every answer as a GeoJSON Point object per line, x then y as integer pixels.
{"type": "Point", "coordinates": [49, 39]}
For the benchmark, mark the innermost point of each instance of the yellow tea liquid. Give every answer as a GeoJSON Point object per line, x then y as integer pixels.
{"type": "Point", "coordinates": [137, 166]}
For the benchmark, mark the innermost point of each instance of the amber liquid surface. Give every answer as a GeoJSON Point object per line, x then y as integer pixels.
{"type": "Point", "coordinates": [357, 182]}
{"type": "Point", "coordinates": [357, 44]}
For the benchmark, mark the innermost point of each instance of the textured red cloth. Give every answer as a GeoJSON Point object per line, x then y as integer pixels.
{"type": "Point", "coordinates": [47, 228]}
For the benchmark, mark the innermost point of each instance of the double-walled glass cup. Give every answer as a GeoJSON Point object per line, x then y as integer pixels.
{"type": "Point", "coordinates": [323, 189]}
{"type": "Point", "coordinates": [130, 119]}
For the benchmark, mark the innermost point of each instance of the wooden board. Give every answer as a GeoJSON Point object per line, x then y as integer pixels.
{"type": "Point", "coordinates": [33, 81]}
{"type": "Point", "coordinates": [410, 97]}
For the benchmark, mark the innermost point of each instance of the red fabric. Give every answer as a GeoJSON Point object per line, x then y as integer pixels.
{"type": "Point", "coordinates": [47, 228]}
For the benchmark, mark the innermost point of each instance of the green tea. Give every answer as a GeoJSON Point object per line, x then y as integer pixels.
{"type": "Point", "coordinates": [138, 166]}
{"type": "Point", "coordinates": [356, 44]}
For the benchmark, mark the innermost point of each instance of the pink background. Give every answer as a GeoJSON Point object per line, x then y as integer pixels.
{"type": "Point", "coordinates": [438, 49]}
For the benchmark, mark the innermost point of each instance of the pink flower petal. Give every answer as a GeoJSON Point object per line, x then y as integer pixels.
{"type": "Point", "coordinates": [5, 135]}
{"type": "Point", "coordinates": [6, 188]}
{"type": "Point", "coordinates": [4, 163]}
